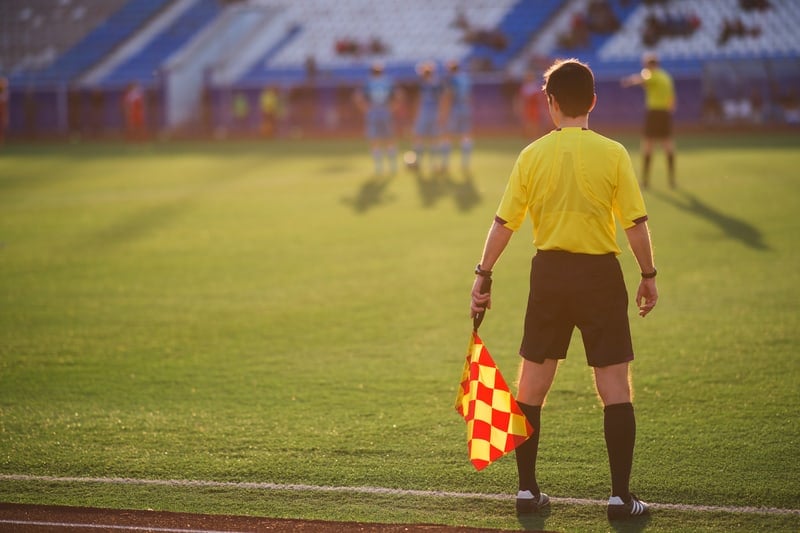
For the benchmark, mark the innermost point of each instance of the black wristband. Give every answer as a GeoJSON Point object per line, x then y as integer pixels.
{"type": "Point", "coordinates": [481, 272]}
{"type": "Point", "coordinates": [650, 275]}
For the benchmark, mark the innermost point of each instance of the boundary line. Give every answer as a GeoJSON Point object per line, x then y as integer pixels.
{"type": "Point", "coordinates": [106, 527]}
{"type": "Point", "coordinates": [377, 490]}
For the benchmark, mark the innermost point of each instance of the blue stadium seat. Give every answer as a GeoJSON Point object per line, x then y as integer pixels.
{"type": "Point", "coordinates": [143, 66]}
{"type": "Point", "coordinates": [97, 44]}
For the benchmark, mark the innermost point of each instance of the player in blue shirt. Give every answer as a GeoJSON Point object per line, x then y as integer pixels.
{"type": "Point", "coordinates": [426, 126]}
{"type": "Point", "coordinates": [375, 100]}
{"type": "Point", "coordinates": [457, 108]}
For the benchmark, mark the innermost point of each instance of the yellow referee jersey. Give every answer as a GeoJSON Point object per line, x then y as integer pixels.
{"type": "Point", "coordinates": [659, 91]}
{"type": "Point", "coordinates": [572, 183]}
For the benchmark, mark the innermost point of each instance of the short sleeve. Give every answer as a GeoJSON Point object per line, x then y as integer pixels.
{"type": "Point", "coordinates": [514, 203]}
{"type": "Point", "coordinates": [628, 205]}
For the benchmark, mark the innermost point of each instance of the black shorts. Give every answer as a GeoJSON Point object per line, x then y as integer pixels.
{"type": "Point", "coordinates": [658, 124]}
{"type": "Point", "coordinates": [569, 290]}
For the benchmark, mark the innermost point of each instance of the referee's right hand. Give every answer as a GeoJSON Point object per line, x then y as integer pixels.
{"type": "Point", "coordinates": [481, 301]}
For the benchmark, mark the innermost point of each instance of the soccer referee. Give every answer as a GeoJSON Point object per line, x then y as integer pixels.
{"type": "Point", "coordinates": [573, 183]}
{"type": "Point", "coordinates": [660, 102]}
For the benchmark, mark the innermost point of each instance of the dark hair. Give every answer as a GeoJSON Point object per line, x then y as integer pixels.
{"type": "Point", "coordinates": [571, 83]}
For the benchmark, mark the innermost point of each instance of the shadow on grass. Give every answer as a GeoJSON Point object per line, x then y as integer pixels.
{"type": "Point", "coordinates": [374, 192]}
{"type": "Point", "coordinates": [534, 521]}
{"type": "Point", "coordinates": [733, 228]}
{"type": "Point", "coordinates": [150, 219]}
{"type": "Point", "coordinates": [136, 225]}
{"type": "Point", "coordinates": [465, 193]}
{"type": "Point", "coordinates": [432, 188]}
{"type": "Point", "coordinates": [371, 193]}
{"type": "Point", "coordinates": [631, 525]}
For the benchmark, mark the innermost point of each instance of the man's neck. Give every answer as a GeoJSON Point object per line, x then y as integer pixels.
{"type": "Point", "coordinates": [574, 122]}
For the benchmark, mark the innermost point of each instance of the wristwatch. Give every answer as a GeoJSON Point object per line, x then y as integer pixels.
{"type": "Point", "coordinates": [650, 275]}
{"type": "Point", "coordinates": [481, 272]}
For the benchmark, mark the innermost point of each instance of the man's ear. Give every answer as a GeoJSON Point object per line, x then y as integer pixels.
{"type": "Point", "coordinates": [594, 102]}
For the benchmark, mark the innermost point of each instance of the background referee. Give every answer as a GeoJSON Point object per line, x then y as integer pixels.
{"type": "Point", "coordinates": [660, 102]}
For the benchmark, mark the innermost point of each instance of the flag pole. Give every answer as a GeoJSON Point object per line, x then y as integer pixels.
{"type": "Point", "coordinates": [495, 423]}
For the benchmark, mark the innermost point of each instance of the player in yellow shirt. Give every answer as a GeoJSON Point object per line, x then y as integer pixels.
{"type": "Point", "coordinates": [270, 109]}
{"type": "Point", "coordinates": [573, 183]}
{"type": "Point", "coordinates": [660, 103]}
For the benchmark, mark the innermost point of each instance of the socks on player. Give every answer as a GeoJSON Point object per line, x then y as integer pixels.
{"type": "Point", "coordinates": [527, 451]}
{"type": "Point", "coordinates": [445, 149]}
{"type": "Point", "coordinates": [646, 171]}
{"type": "Point", "coordinates": [391, 155]}
{"type": "Point", "coordinates": [466, 152]}
{"type": "Point", "coordinates": [419, 151]}
{"type": "Point", "coordinates": [671, 168]}
{"type": "Point", "coordinates": [619, 424]}
{"type": "Point", "coordinates": [377, 157]}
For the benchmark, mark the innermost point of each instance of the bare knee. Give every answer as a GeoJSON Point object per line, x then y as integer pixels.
{"type": "Point", "coordinates": [535, 380]}
{"type": "Point", "coordinates": [613, 384]}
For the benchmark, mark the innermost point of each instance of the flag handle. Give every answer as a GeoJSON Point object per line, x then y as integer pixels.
{"type": "Point", "coordinates": [486, 286]}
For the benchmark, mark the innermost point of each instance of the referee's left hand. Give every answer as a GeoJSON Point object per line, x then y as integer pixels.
{"type": "Point", "coordinates": [646, 296]}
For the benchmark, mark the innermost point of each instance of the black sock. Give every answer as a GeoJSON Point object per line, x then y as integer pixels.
{"type": "Point", "coordinates": [527, 451]}
{"type": "Point", "coordinates": [620, 431]}
{"type": "Point", "coordinates": [646, 170]}
{"type": "Point", "coordinates": [671, 167]}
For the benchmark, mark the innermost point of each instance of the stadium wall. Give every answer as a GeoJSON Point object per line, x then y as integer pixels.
{"type": "Point", "coordinates": [313, 110]}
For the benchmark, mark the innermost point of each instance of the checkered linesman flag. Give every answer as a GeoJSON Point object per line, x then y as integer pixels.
{"type": "Point", "coordinates": [495, 423]}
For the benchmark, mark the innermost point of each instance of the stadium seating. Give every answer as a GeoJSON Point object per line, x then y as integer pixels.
{"type": "Point", "coordinates": [99, 42]}
{"type": "Point", "coordinates": [518, 24]}
{"type": "Point", "coordinates": [407, 32]}
{"type": "Point", "coordinates": [227, 45]}
{"type": "Point", "coordinates": [410, 31]}
{"type": "Point", "coordinates": [777, 35]}
{"type": "Point", "coordinates": [596, 40]}
{"type": "Point", "coordinates": [143, 66]}
{"type": "Point", "coordinates": [33, 33]}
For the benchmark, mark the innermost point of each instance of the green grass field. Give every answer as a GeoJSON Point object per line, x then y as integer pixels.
{"type": "Point", "coordinates": [269, 313]}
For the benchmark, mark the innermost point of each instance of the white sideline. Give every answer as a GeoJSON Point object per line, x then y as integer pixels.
{"type": "Point", "coordinates": [377, 490]}
{"type": "Point", "coordinates": [106, 527]}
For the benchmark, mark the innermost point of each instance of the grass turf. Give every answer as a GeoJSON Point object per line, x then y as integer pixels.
{"type": "Point", "coordinates": [270, 312]}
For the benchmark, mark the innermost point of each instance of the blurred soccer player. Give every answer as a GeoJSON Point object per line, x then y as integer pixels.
{"type": "Point", "coordinates": [134, 108]}
{"type": "Point", "coordinates": [375, 100]}
{"type": "Point", "coordinates": [457, 112]}
{"type": "Point", "coordinates": [529, 106]}
{"type": "Point", "coordinates": [660, 102]}
{"type": "Point", "coordinates": [428, 119]}
{"type": "Point", "coordinates": [3, 108]}
{"type": "Point", "coordinates": [269, 103]}
{"type": "Point", "coordinates": [575, 186]}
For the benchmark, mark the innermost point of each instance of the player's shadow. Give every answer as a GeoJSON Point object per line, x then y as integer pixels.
{"type": "Point", "coordinates": [535, 521]}
{"type": "Point", "coordinates": [733, 228]}
{"type": "Point", "coordinates": [372, 193]}
{"type": "Point", "coordinates": [138, 225]}
{"type": "Point", "coordinates": [464, 192]}
{"type": "Point", "coordinates": [635, 524]}
{"type": "Point", "coordinates": [431, 188]}
{"type": "Point", "coordinates": [434, 187]}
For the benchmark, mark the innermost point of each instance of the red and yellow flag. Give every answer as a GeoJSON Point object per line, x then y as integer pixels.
{"type": "Point", "coordinates": [495, 423]}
